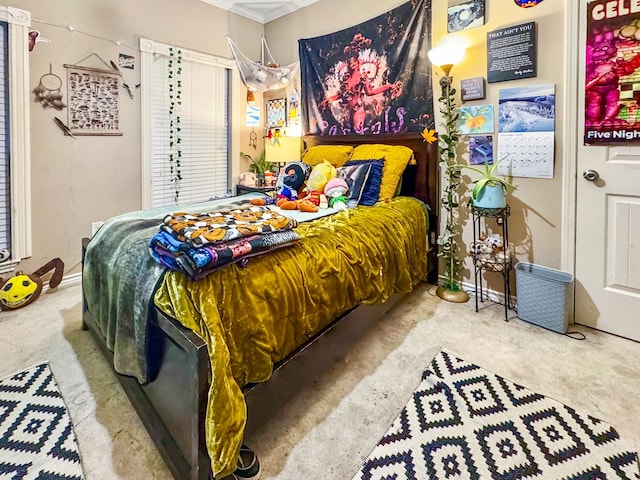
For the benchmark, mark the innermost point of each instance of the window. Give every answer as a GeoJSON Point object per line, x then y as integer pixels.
{"type": "Point", "coordinates": [194, 130]}
{"type": "Point", "coordinates": [15, 188]}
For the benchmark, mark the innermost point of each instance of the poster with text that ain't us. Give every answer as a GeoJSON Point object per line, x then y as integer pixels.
{"type": "Point", "coordinates": [612, 72]}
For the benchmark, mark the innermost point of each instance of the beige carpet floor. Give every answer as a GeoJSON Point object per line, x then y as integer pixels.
{"type": "Point", "coordinates": [321, 415]}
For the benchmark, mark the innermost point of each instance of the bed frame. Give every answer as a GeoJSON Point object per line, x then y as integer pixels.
{"type": "Point", "coordinates": [178, 358]}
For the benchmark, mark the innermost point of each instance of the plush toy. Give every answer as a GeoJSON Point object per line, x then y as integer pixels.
{"type": "Point", "coordinates": [336, 191]}
{"type": "Point", "coordinates": [21, 290]}
{"type": "Point", "coordinates": [489, 249]}
{"type": "Point", "coordinates": [292, 180]}
{"type": "Point", "coordinates": [480, 250]}
{"type": "Point", "coordinates": [318, 179]}
{"type": "Point", "coordinates": [496, 242]}
{"type": "Point", "coordinates": [289, 183]}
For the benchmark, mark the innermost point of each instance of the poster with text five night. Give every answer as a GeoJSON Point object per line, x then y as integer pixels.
{"type": "Point", "coordinates": [612, 74]}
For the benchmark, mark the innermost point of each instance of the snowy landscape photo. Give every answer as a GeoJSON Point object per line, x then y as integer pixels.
{"type": "Point", "coordinates": [527, 109]}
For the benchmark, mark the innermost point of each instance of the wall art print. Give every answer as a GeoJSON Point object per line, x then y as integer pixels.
{"type": "Point", "coordinates": [93, 107]}
{"type": "Point", "coordinates": [276, 113]}
{"type": "Point", "coordinates": [464, 14]}
{"type": "Point", "coordinates": [476, 119]}
{"type": "Point", "coordinates": [481, 150]}
{"type": "Point", "coordinates": [612, 75]}
{"type": "Point", "coordinates": [374, 78]}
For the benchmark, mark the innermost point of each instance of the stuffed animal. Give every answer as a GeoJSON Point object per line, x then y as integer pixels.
{"type": "Point", "coordinates": [289, 183]}
{"type": "Point", "coordinates": [496, 242]}
{"type": "Point", "coordinates": [318, 179]}
{"type": "Point", "coordinates": [292, 180]}
{"type": "Point", "coordinates": [289, 197]}
{"type": "Point", "coordinates": [480, 249]}
{"type": "Point", "coordinates": [21, 290]}
{"type": "Point", "coordinates": [336, 191]}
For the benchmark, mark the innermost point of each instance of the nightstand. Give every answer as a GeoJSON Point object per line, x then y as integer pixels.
{"type": "Point", "coordinates": [240, 189]}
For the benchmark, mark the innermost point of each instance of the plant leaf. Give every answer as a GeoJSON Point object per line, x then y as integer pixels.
{"type": "Point", "coordinates": [480, 184]}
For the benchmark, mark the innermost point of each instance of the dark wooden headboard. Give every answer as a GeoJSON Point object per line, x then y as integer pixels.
{"type": "Point", "coordinates": [420, 180]}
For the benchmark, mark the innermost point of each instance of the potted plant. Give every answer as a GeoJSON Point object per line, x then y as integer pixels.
{"type": "Point", "coordinates": [490, 190]}
{"type": "Point", "coordinates": [258, 165]}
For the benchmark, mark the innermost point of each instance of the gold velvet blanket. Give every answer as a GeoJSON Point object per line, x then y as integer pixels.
{"type": "Point", "coordinates": [253, 317]}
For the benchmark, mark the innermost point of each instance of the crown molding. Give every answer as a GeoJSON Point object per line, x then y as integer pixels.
{"type": "Point", "coordinates": [260, 11]}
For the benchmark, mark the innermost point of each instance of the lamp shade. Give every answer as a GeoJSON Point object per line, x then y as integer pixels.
{"type": "Point", "coordinates": [446, 56]}
{"type": "Point", "coordinates": [283, 150]}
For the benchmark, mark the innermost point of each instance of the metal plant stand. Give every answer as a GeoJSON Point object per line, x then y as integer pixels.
{"type": "Point", "coordinates": [499, 263]}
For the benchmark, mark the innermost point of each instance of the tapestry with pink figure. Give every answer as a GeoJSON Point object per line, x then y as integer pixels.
{"type": "Point", "coordinates": [374, 78]}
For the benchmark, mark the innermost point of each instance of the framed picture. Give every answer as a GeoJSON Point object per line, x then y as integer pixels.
{"type": "Point", "coordinates": [481, 150]}
{"type": "Point", "coordinates": [464, 14]}
{"type": "Point", "coordinates": [93, 106]}
{"type": "Point", "coordinates": [277, 113]}
{"type": "Point", "coordinates": [472, 89]}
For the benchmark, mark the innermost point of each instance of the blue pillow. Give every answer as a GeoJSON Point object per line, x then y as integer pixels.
{"type": "Point", "coordinates": [371, 189]}
{"type": "Point", "coordinates": [356, 177]}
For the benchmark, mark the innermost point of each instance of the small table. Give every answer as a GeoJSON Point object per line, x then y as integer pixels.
{"type": "Point", "coordinates": [240, 189]}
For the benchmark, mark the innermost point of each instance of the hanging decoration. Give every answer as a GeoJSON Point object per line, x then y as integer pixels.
{"type": "Point", "coordinates": [174, 74]}
{"type": "Point", "coordinates": [125, 85]}
{"type": "Point", "coordinates": [253, 139]}
{"type": "Point", "coordinates": [93, 99]}
{"type": "Point", "coordinates": [48, 91]}
{"type": "Point", "coordinates": [63, 127]}
{"type": "Point", "coordinates": [35, 37]}
{"type": "Point", "coordinates": [251, 97]}
{"type": "Point", "coordinates": [362, 80]}
{"type": "Point", "coordinates": [266, 74]}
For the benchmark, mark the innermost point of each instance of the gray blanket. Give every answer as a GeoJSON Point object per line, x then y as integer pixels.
{"type": "Point", "coordinates": [119, 278]}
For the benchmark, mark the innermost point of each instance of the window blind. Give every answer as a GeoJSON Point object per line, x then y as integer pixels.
{"type": "Point", "coordinates": [204, 131]}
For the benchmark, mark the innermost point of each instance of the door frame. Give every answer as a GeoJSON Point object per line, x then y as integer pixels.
{"type": "Point", "coordinates": [570, 137]}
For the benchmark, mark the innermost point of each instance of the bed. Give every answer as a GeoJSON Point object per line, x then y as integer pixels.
{"type": "Point", "coordinates": [197, 352]}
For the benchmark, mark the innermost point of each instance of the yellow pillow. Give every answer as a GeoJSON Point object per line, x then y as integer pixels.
{"type": "Point", "coordinates": [336, 155]}
{"type": "Point", "coordinates": [396, 159]}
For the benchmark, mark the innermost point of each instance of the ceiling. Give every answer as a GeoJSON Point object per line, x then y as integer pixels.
{"type": "Point", "coordinates": [262, 11]}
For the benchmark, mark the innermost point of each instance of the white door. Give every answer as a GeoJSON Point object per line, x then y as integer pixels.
{"type": "Point", "coordinates": [607, 264]}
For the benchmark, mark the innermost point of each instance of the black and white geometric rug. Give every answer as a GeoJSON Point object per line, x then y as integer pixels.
{"type": "Point", "coordinates": [464, 422]}
{"type": "Point", "coordinates": [36, 436]}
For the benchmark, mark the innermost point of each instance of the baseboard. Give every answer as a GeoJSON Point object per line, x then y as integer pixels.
{"type": "Point", "coordinates": [72, 279]}
{"type": "Point", "coordinates": [492, 295]}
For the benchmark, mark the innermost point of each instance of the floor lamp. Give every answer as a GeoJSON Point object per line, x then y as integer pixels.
{"type": "Point", "coordinates": [445, 57]}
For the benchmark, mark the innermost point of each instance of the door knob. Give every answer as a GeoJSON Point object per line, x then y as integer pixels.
{"type": "Point", "coordinates": [590, 175]}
